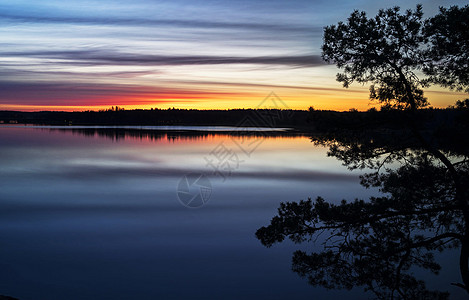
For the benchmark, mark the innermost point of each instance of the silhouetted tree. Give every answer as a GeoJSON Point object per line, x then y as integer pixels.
{"type": "Point", "coordinates": [424, 205]}
{"type": "Point", "coordinates": [462, 104]}
{"type": "Point", "coordinates": [448, 63]}
{"type": "Point", "coordinates": [384, 50]}
{"type": "Point", "coordinates": [388, 49]}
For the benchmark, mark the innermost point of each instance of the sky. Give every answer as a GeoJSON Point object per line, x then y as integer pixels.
{"type": "Point", "coordinates": [213, 54]}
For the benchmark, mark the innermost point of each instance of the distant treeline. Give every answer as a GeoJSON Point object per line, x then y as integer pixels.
{"type": "Point", "coordinates": [304, 120]}
{"type": "Point", "coordinates": [240, 117]}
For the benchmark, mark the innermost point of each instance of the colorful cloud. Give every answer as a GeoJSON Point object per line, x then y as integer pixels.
{"type": "Point", "coordinates": [73, 55]}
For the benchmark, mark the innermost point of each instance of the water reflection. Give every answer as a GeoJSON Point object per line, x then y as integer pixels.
{"type": "Point", "coordinates": [86, 217]}
{"type": "Point", "coordinates": [384, 243]}
{"type": "Point", "coordinates": [175, 135]}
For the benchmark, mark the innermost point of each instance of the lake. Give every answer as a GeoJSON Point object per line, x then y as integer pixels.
{"type": "Point", "coordinates": [102, 213]}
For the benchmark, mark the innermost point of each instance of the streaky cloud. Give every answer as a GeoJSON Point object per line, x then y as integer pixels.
{"type": "Point", "coordinates": [64, 93]}
{"type": "Point", "coordinates": [13, 18]}
{"type": "Point", "coordinates": [272, 86]}
{"type": "Point", "coordinates": [99, 57]}
{"type": "Point", "coordinates": [14, 73]}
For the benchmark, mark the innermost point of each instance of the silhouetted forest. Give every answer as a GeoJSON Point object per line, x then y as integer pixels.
{"type": "Point", "coordinates": [262, 117]}
{"type": "Point", "coordinates": [321, 121]}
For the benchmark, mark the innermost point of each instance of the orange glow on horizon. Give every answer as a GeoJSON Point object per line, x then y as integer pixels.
{"type": "Point", "coordinates": [326, 100]}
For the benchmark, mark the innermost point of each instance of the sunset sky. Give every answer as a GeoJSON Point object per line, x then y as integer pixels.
{"type": "Point", "coordinates": [78, 55]}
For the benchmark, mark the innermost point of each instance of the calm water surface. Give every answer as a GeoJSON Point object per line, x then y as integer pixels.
{"type": "Point", "coordinates": [89, 215]}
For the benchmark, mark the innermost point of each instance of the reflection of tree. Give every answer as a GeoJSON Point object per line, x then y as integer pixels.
{"type": "Point", "coordinates": [376, 243]}
{"type": "Point", "coordinates": [421, 171]}
{"type": "Point", "coordinates": [117, 134]}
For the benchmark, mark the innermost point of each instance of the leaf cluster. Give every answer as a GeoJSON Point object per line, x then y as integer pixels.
{"type": "Point", "coordinates": [392, 48]}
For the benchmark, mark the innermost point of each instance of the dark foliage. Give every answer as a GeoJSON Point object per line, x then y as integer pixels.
{"type": "Point", "coordinates": [378, 242]}
{"type": "Point", "coordinates": [419, 161]}
{"type": "Point", "coordinates": [389, 49]}
{"type": "Point", "coordinates": [448, 63]}
{"type": "Point", "coordinates": [384, 50]}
